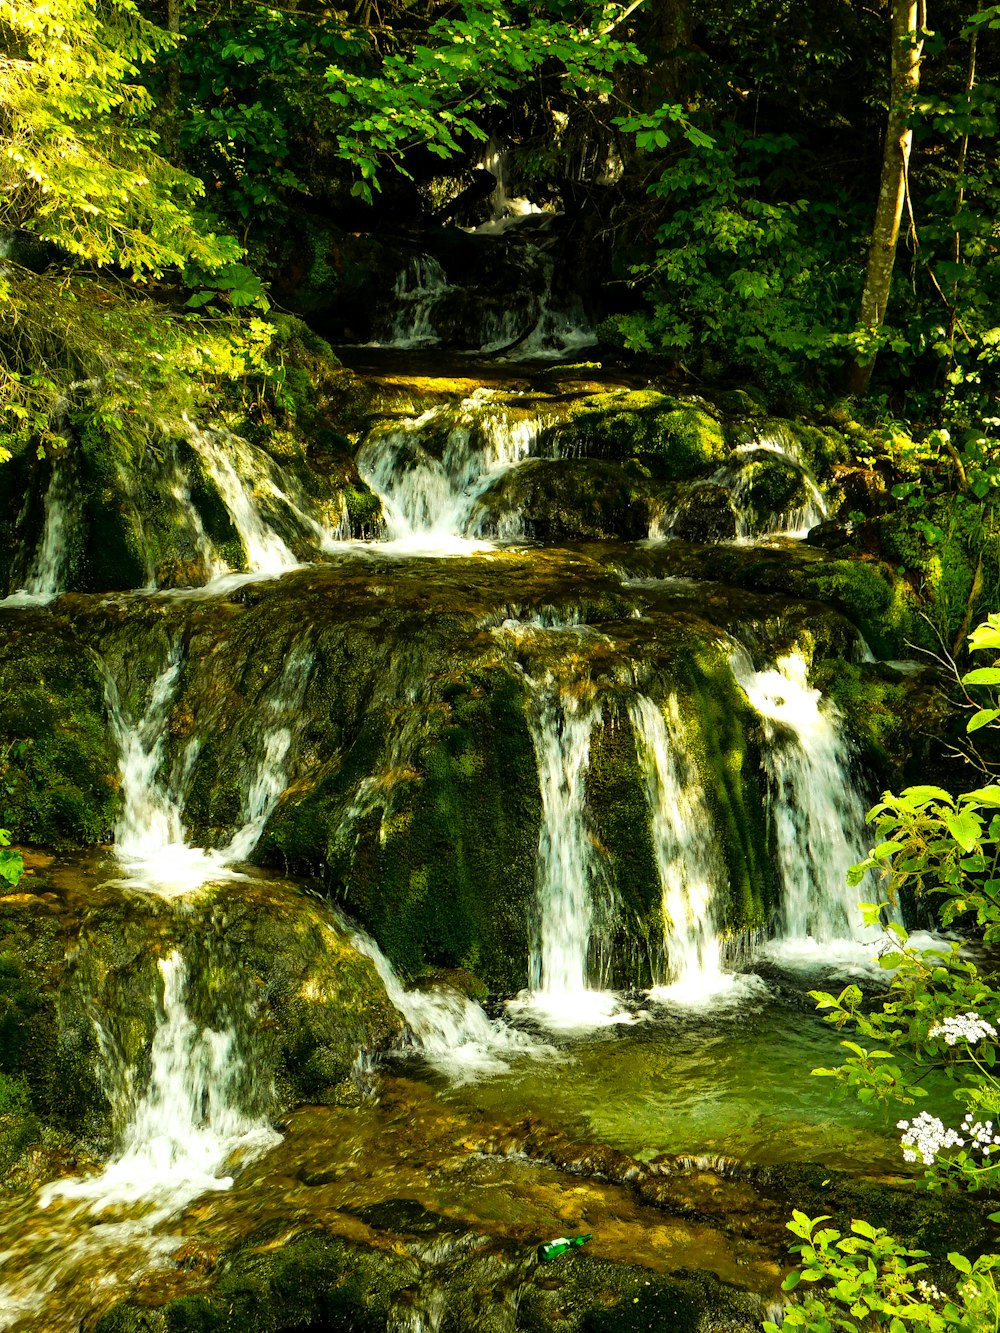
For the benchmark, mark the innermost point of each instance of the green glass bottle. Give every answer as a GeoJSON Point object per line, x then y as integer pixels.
{"type": "Point", "coordinates": [552, 1249]}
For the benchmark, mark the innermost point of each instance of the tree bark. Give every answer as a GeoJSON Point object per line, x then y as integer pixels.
{"type": "Point", "coordinates": [907, 19]}
{"type": "Point", "coordinates": [171, 103]}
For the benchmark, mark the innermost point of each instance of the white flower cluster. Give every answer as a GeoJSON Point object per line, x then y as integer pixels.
{"type": "Point", "coordinates": [980, 1135]}
{"type": "Point", "coordinates": [963, 1027]}
{"type": "Point", "coordinates": [925, 1137]}
{"type": "Point", "coordinates": [929, 1291]}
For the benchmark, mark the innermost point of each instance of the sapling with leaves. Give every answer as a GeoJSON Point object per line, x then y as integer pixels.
{"type": "Point", "coordinates": [941, 1016]}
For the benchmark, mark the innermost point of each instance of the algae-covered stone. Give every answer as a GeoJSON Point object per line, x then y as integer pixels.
{"type": "Point", "coordinates": [58, 762]}
{"type": "Point", "coordinates": [553, 499]}
{"type": "Point", "coordinates": [672, 437]}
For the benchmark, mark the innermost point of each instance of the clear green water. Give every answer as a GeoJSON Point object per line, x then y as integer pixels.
{"type": "Point", "coordinates": [734, 1082]}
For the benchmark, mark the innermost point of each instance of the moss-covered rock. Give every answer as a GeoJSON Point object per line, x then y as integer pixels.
{"type": "Point", "coordinates": [675, 439]}
{"type": "Point", "coordinates": [58, 762]}
{"type": "Point", "coordinates": [273, 968]}
{"type": "Point", "coordinates": [553, 499]}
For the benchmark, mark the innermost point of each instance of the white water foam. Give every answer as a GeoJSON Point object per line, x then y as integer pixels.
{"type": "Point", "coordinates": [450, 1031]}
{"type": "Point", "coordinates": [430, 497]}
{"type": "Point", "coordinates": [150, 836]}
{"type": "Point", "coordinates": [818, 811]}
{"type": "Point", "coordinates": [184, 1137]}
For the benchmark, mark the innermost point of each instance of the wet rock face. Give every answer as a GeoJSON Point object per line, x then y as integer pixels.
{"type": "Point", "coordinates": [409, 775]}
{"type": "Point", "coordinates": [57, 759]}
{"type": "Point", "coordinates": [79, 979]}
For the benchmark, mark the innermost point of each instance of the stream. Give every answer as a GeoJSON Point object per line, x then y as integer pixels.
{"type": "Point", "coordinates": [669, 808]}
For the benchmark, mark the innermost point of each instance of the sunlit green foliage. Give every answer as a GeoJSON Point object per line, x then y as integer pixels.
{"type": "Point", "coordinates": [940, 1013]}
{"type": "Point", "coordinates": [80, 162]}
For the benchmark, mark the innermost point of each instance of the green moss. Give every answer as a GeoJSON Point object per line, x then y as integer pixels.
{"type": "Point", "coordinates": [57, 762]}
{"type": "Point", "coordinates": [884, 608]}
{"type": "Point", "coordinates": [771, 486]}
{"type": "Point", "coordinates": [739, 402]}
{"type": "Point", "coordinates": [875, 703]}
{"type": "Point", "coordinates": [616, 796]}
{"type": "Point", "coordinates": [364, 509]}
{"type": "Point", "coordinates": [730, 770]}
{"type": "Point", "coordinates": [443, 876]}
{"type": "Point", "coordinates": [659, 1305]}
{"type": "Point", "coordinates": [674, 439]}
{"type": "Point", "coordinates": [555, 499]}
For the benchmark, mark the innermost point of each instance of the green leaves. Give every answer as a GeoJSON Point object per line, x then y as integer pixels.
{"type": "Point", "coordinates": [11, 863]}
{"type": "Point", "coordinates": [433, 93]}
{"type": "Point", "coordinates": [83, 170]}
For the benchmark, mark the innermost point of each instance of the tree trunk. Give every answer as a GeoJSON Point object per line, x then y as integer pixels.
{"type": "Point", "coordinates": [171, 103]}
{"type": "Point", "coordinates": [907, 18]}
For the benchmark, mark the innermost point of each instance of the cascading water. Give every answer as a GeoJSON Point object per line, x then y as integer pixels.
{"type": "Point", "coordinates": [744, 514]}
{"type": "Point", "coordinates": [266, 553]}
{"type": "Point", "coordinates": [450, 1031]}
{"type": "Point", "coordinates": [150, 836]}
{"type": "Point", "coordinates": [688, 858]}
{"type": "Point", "coordinates": [184, 1134]}
{"type": "Point", "coordinates": [282, 716]}
{"type": "Point", "coordinates": [817, 809]}
{"type": "Point", "coordinates": [561, 727]}
{"type": "Point", "coordinates": [419, 288]}
{"type": "Point", "coordinates": [266, 507]}
{"type": "Point", "coordinates": [795, 522]}
{"type": "Point", "coordinates": [430, 500]}
{"type": "Point", "coordinates": [46, 577]}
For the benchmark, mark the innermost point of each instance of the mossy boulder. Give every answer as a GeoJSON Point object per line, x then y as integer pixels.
{"type": "Point", "coordinates": [552, 499]}
{"type": "Point", "coordinates": [270, 966]}
{"type": "Point", "coordinates": [702, 512]}
{"type": "Point", "coordinates": [58, 761]}
{"type": "Point", "coordinates": [442, 869]}
{"type": "Point", "coordinates": [673, 438]}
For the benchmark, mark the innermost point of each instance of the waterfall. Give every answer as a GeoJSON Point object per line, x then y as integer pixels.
{"type": "Point", "coordinates": [561, 728]}
{"type": "Point", "coordinates": [688, 858]}
{"type": "Point", "coordinates": [817, 810]}
{"type": "Point", "coordinates": [150, 819]}
{"type": "Point", "coordinates": [46, 577]}
{"type": "Point", "coordinates": [739, 517]}
{"type": "Point", "coordinates": [793, 523]}
{"type": "Point", "coordinates": [184, 1134]}
{"type": "Point", "coordinates": [265, 551]}
{"type": "Point", "coordinates": [150, 836]}
{"type": "Point", "coordinates": [282, 716]}
{"type": "Point", "coordinates": [267, 506]}
{"type": "Point", "coordinates": [568, 871]}
{"type": "Point", "coordinates": [418, 289]}
{"type": "Point", "coordinates": [213, 566]}
{"type": "Point", "coordinates": [187, 1125]}
{"type": "Point", "coordinates": [450, 1031]}
{"type": "Point", "coordinates": [430, 500]}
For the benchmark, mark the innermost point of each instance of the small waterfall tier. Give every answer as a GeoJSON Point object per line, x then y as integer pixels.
{"type": "Point", "coordinates": [817, 806]}
{"type": "Point", "coordinates": [691, 868]}
{"type": "Point", "coordinates": [185, 1126]}
{"type": "Point", "coordinates": [524, 310]}
{"type": "Point", "coordinates": [763, 491]}
{"type": "Point", "coordinates": [200, 508]}
{"type": "Point", "coordinates": [431, 471]}
{"type": "Point", "coordinates": [151, 840]}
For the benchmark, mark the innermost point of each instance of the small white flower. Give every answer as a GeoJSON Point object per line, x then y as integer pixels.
{"type": "Point", "coordinates": [926, 1137]}
{"type": "Point", "coordinates": [963, 1027]}
{"type": "Point", "coordinates": [929, 1291]}
{"type": "Point", "coordinates": [980, 1135]}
